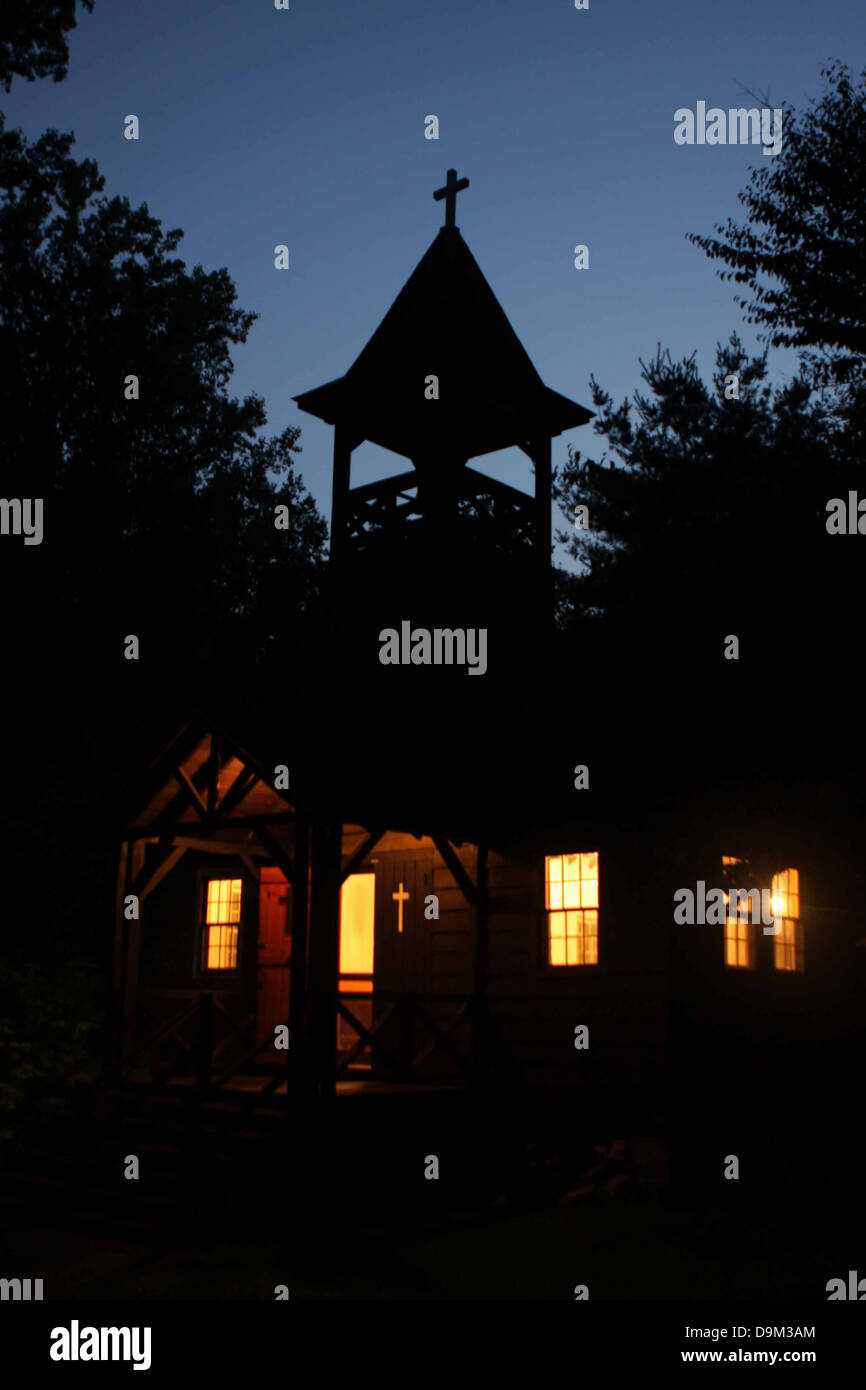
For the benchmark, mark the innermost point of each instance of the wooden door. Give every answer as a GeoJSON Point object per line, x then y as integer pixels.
{"type": "Point", "coordinates": [402, 932]}
{"type": "Point", "coordinates": [275, 951]}
{"type": "Point", "coordinates": [404, 879]}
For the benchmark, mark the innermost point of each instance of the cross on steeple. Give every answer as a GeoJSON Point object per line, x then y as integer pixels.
{"type": "Point", "coordinates": [453, 186]}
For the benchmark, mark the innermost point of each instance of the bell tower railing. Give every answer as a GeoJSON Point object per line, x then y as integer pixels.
{"type": "Point", "coordinates": [389, 510]}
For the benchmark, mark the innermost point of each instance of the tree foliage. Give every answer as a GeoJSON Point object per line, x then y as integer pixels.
{"type": "Point", "coordinates": [706, 515]}
{"type": "Point", "coordinates": [159, 512]}
{"type": "Point", "coordinates": [802, 251]}
{"type": "Point", "coordinates": [33, 38]}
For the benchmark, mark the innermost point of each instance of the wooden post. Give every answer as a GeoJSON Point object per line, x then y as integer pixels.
{"type": "Point", "coordinates": [480, 1037]}
{"type": "Point", "coordinates": [204, 1051]}
{"type": "Point", "coordinates": [343, 445]}
{"type": "Point", "coordinates": [132, 945]}
{"type": "Point", "coordinates": [298, 1020]}
{"type": "Point", "coordinates": [115, 1041]}
{"type": "Point", "coordinates": [541, 457]}
{"type": "Point", "coordinates": [323, 955]}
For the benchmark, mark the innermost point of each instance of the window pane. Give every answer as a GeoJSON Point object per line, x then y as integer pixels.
{"type": "Point", "coordinates": [786, 894]}
{"type": "Point", "coordinates": [557, 951]}
{"type": "Point", "coordinates": [223, 900]}
{"type": "Point", "coordinates": [222, 948]}
{"type": "Point", "coordinates": [589, 865]}
{"type": "Point", "coordinates": [571, 868]}
{"type": "Point", "coordinates": [572, 894]}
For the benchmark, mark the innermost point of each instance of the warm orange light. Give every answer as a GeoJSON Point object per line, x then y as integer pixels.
{"type": "Point", "coordinates": [786, 893]}
{"type": "Point", "coordinates": [571, 898]}
{"type": "Point", "coordinates": [788, 942]}
{"type": "Point", "coordinates": [223, 900]}
{"type": "Point", "coordinates": [738, 940]}
{"type": "Point", "coordinates": [357, 913]}
{"type": "Point", "coordinates": [222, 913]}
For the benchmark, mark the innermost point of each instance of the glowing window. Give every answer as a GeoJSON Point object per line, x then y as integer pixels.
{"type": "Point", "coordinates": [571, 900]}
{"type": "Point", "coordinates": [222, 916]}
{"type": "Point", "coordinates": [788, 943]}
{"type": "Point", "coordinates": [739, 932]}
{"type": "Point", "coordinates": [739, 937]}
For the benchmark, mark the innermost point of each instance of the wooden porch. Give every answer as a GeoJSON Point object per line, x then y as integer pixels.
{"type": "Point", "coordinates": [208, 801]}
{"type": "Point", "coordinates": [417, 1042]}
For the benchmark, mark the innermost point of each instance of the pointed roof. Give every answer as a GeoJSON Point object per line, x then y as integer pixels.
{"type": "Point", "coordinates": [445, 322]}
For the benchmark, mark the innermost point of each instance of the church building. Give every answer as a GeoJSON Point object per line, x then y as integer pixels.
{"type": "Point", "coordinates": [428, 861]}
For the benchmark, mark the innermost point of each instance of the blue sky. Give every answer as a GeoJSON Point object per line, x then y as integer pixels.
{"type": "Point", "coordinates": [306, 127]}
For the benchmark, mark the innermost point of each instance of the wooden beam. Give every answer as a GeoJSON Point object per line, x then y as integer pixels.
{"type": "Point", "coordinates": [174, 753]}
{"type": "Point", "coordinates": [162, 869]}
{"type": "Point", "coordinates": [360, 854]}
{"type": "Point", "coordinates": [325, 864]}
{"type": "Point", "coordinates": [298, 1021]}
{"type": "Point", "coordinates": [213, 772]}
{"type": "Point", "coordinates": [145, 873]}
{"type": "Point", "coordinates": [243, 783]}
{"type": "Point", "coordinates": [193, 795]}
{"type": "Point", "coordinates": [276, 851]}
{"type": "Point", "coordinates": [146, 832]}
{"type": "Point", "coordinates": [462, 879]}
{"type": "Point", "coordinates": [238, 847]}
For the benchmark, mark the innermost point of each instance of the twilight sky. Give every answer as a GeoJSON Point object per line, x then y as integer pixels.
{"type": "Point", "coordinates": [306, 127]}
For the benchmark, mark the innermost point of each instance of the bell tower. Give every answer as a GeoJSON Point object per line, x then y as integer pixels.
{"type": "Point", "coordinates": [444, 379]}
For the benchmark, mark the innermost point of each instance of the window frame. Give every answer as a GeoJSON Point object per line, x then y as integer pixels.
{"type": "Point", "coordinates": [215, 974]}
{"type": "Point", "coordinates": [798, 942]}
{"type": "Point", "coordinates": [547, 965]}
{"type": "Point", "coordinates": [751, 939]}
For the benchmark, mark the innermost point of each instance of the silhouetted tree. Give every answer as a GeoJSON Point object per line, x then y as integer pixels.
{"type": "Point", "coordinates": [33, 38]}
{"type": "Point", "coordinates": [159, 511]}
{"type": "Point", "coordinates": [706, 515]}
{"type": "Point", "coordinates": [802, 251]}
{"type": "Point", "coordinates": [707, 512]}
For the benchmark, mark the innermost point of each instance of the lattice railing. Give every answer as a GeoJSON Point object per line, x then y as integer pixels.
{"type": "Point", "coordinates": [481, 505]}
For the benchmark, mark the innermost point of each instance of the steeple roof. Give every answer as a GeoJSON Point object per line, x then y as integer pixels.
{"type": "Point", "coordinates": [445, 322]}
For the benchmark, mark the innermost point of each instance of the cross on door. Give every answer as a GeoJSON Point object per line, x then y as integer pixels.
{"type": "Point", "coordinates": [453, 186]}
{"type": "Point", "coordinates": [400, 897]}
